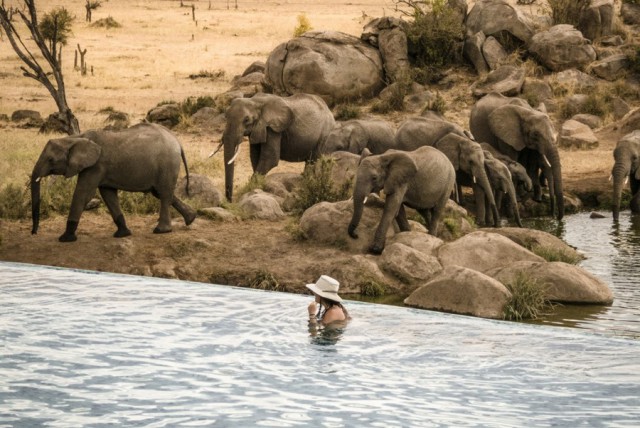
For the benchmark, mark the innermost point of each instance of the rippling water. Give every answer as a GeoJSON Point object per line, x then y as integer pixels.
{"type": "Point", "coordinates": [613, 254]}
{"type": "Point", "coordinates": [80, 349]}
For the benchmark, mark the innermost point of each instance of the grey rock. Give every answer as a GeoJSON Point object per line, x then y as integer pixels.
{"type": "Point", "coordinates": [562, 47]}
{"type": "Point", "coordinates": [473, 52]}
{"type": "Point", "coordinates": [493, 52]}
{"type": "Point", "coordinates": [419, 241]}
{"type": "Point", "coordinates": [577, 135]}
{"type": "Point", "coordinates": [506, 80]}
{"type": "Point", "coordinates": [463, 291]}
{"type": "Point", "coordinates": [591, 120]}
{"type": "Point", "coordinates": [200, 187]}
{"type": "Point", "coordinates": [261, 205]}
{"type": "Point", "coordinates": [630, 13]}
{"type": "Point", "coordinates": [495, 16]}
{"type": "Point", "coordinates": [410, 265]}
{"type": "Point", "coordinates": [256, 66]}
{"type": "Point", "coordinates": [167, 115]}
{"type": "Point", "coordinates": [611, 68]}
{"type": "Point", "coordinates": [597, 20]}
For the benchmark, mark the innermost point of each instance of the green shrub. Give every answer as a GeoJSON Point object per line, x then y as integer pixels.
{"type": "Point", "coordinates": [567, 11]}
{"type": "Point", "coordinates": [14, 202]}
{"type": "Point", "coordinates": [317, 186]}
{"type": "Point", "coordinates": [435, 32]}
{"type": "Point", "coordinates": [264, 280]}
{"type": "Point", "coordinates": [303, 26]}
{"type": "Point", "coordinates": [257, 181]}
{"type": "Point", "coordinates": [138, 203]}
{"type": "Point", "coordinates": [371, 287]}
{"type": "Point", "coordinates": [394, 98]}
{"type": "Point", "coordinates": [107, 23]}
{"type": "Point", "coordinates": [191, 105]}
{"type": "Point", "coordinates": [346, 111]}
{"type": "Point", "coordinates": [56, 25]}
{"type": "Point", "coordinates": [528, 298]}
{"type": "Point", "coordinates": [551, 254]}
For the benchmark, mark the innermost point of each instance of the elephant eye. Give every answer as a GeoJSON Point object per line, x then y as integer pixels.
{"type": "Point", "coordinates": [246, 121]}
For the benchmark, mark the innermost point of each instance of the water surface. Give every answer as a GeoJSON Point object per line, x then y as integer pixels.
{"type": "Point", "coordinates": [81, 349]}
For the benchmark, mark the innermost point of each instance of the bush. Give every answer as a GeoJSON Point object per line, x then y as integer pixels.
{"type": "Point", "coordinates": [346, 111]}
{"type": "Point", "coordinates": [264, 280]}
{"type": "Point", "coordinates": [370, 287]}
{"type": "Point", "coordinates": [138, 203]}
{"type": "Point", "coordinates": [304, 25]}
{"type": "Point", "coordinates": [317, 186]}
{"type": "Point", "coordinates": [567, 11]}
{"type": "Point", "coordinates": [257, 181]}
{"type": "Point", "coordinates": [551, 254]}
{"type": "Point", "coordinates": [107, 23]}
{"type": "Point", "coordinates": [14, 203]}
{"type": "Point", "coordinates": [191, 105]}
{"type": "Point", "coordinates": [528, 298]}
{"type": "Point", "coordinates": [434, 34]}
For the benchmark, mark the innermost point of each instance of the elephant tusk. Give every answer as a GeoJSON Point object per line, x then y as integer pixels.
{"type": "Point", "coordinates": [546, 161]}
{"type": "Point", "coordinates": [626, 180]}
{"type": "Point", "coordinates": [610, 177]}
{"type": "Point", "coordinates": [365, 200]}
{"type": "Point", "coordinates": [474, 179]}
{"type": "Point", "coordinates": [37, 180]}
{"type": "Point", "coordinates": [216, 150]}
{"type": "Point", "coordinates": [235, 155]}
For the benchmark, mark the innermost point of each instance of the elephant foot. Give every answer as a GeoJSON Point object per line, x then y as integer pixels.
{"type": "Point", "coordinates": [68, 237]}
{"type": "Point", "coordinates": [377, 250]}
{"type": "Point", "coordinates": [189, 218]}
{"type": "Point", "coordinates": [121, 233]}
{"type": "Point", "coordinates": [159, 229]}
{"type": "Point", "coordinates": [352, 232]}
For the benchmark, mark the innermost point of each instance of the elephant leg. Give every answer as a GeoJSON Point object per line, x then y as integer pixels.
{"type": "Point", "coordinates": [428, 218]}
{"type": "Point", "coordinates": [110, 198]}
{"type": "Point", "coordinates": [500, 204]}
{"type": "Point", "coordinates": [480, 198]}
{"type": "Point", "coordinates": [185, 210]}
{"type": "Point", "coordinates": [254, 154]}
{"type": "Point", "coordinates": [635, 195]}
{"type": "Point", "coordinates": [391, 207]}
{"type": "Point", "coordinates": [435, 214]}
{"type": "Point", "coordinates": [164, 223]}
{"type": "Point", "coordinates": [84, 191]}
{"type": "Point", "coordinates": [269, 153]}
{"type": "Point", "coordinates": [401, 218]}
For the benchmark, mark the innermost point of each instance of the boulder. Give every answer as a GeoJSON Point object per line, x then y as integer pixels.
{"type": "Point", "coordinates": [506, 80]}
{"type": "Point", "coordinates": [326, 223]}
{"type": "Point", "coordinates": [222, 100]}
{"type": "Point", "coordinates": [333, 65]}
{"type": "Point", "coordinates": [493, 52]}
{"type": "Point", "coordinates": [483, 251]}
{"type": "Point", "coordinates": [619, 107]}
{"type": "Point", "coordinates": [201, 188]}
{"type": "Point", "coordinates": [57, 123]}
{"type": "Point", "coordinates": [533, 239]}
{"type": "Point", "coordinates": [389, 36]}
{"type": "Point", "coordinates": [493, 17]}
{"type": "Point", "coordinates": [537, 89]}
{"type": "Point", "coordinates": [209, 117]}
{"type": "Point", "coordinates": [282, 184]}
{"type": "Point", "coordinates": [408, 265]}
{"type": "Point", "coordinates": [256, 66]}
{"type": "Point", "coordinates": [462, 291]}
{"type": "Point", "coordinates": [597, 20]}
{"type": "Point", "coordinates": [472, 50]}
{"type": "Point", "coordinates": [27, 118]}
{"type": "Point", "coordinates": [630, 122]}
{"type": "Point", "coordinates": [419, 241]}
{"type": "Point", "coordinates": [566, 283]}
{"type": "Point", "coordinates": [575, 79]}
{"type": "Point", "coordinates": [577, 135]}
{"type": "Point", "coordinates": [562, 47]}
{"type": "Point", "coordinates": [261, 205]}
{"type": "Point", "coordinates": [591, 120]}
{"type": "Point", "coordinates": [611, 68]}
{"type": "Point", "coordinates": [167, 115]}
{"type": "Point", "coordinates": [249, 84]}
{"type": "Point", "coordinates": [343, 169]}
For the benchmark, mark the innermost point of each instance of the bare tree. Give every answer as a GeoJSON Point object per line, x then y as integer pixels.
{"type": "Point", "coordinates": [90, 6]}
{"type": "Point", "coordinates": [49, 39]}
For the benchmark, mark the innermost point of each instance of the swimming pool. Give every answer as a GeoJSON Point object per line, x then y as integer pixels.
{"type": "Point", "coordinates": [93, 349]}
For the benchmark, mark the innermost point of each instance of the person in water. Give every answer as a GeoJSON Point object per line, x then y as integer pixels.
{"type": "Point", "coordinates": [327, 306]}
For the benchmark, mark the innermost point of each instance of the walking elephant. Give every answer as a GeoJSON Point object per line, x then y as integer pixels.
{"type": "Point", "coordinates": [626, 167]}
{"type": "Point", "coordinates": [524, 134]}
{"type": "Point", "coordinates": [422, 179]}
{"type": "Point", "coordinates": [421, 131]}
{"type": "Point", "coordinates": [355, 135]}
{"type": "Point", "coordinates": [502, 184]}
{"type": "Point", "coordinates": [143, 158]}
{"type": "Point", "coordinates": [468, 161]}
{"type": "Point", "coordinates": [279, 128]}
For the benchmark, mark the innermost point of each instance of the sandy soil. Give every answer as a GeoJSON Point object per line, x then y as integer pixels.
{"type": "Point", "coordinates": [149, 60]}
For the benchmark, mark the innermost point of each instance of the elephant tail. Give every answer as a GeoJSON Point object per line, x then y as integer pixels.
{"type": "Point", "coordinates": [186, 168]}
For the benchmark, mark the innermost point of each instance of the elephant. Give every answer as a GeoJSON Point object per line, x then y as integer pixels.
{"type": "Point", "coordinates": [521, 180]}
{"type": "Point", "coordinates": [421, 131]}
{"type": "Point", "coordinates": [626, 167]}
{"type": "Point", "coordinates": [524, 134]}
{"type": "Point", "coordinates": [279, 128]}
{"type": "Point", "coordinates": [468, 160]}
{"type": "Point", "coordinates": [357, 134]}
{"type": "Point", "coordinates": [143, 158]}
{"type": "Point", "coordinates": [502, 184]}
{"type": "Point", "coordinates": [422, 179]}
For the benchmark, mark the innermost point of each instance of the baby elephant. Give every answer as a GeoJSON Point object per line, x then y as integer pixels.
{"type": "Point", "coordinates": [422, 179]}
{"type": "Point", "coordinates": [143, 158]}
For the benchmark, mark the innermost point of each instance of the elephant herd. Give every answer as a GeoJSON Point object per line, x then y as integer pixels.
{"type": "Point", "coordinates": [421, 164]}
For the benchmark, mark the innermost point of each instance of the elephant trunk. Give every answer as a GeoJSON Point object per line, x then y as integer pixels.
{"type": "Point", "coordinates": [621, 170]}
{"type": "Point", "coordinates": [480, 176]}
{"type": "Point", "coordinates": [359, 195]}
{"type": "Point", "coordinates": [553, 157]}
{"type": "Point", "coordinates": [231, 144]}
{"type": "Point", "coordinates": [39, 171]}
{"type": "Point", "coordinates": [513, 200]}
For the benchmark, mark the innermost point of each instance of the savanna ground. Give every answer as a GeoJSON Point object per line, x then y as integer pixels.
{"type": "Point", "coordinates": [148, 60]}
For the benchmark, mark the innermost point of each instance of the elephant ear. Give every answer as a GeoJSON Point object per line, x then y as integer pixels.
{"type": "Point", "coordinates": [365, 153]}
{"type": "Point", "coordinates": [505, 123]}
{"type": "Point", "coordinates": [276, 115]}
{"type": "Point", "coordinates": [399, 168]}
{"type": "Point", "coordinates": [450, 145]}
{"type": "Point", "coordinates": [82, 154]}
{"type": "Point", "coordinates": [357, 139]}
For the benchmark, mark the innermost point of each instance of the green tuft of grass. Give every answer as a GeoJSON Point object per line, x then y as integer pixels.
{"type": "Point", "coordinates": [107, 23]}
{"type": "Point", "coordinates": [257, 181]}
{"type": "Point", "coordinates": [347, 111]}
{"type": "Point", "coordinates": [371, 287]}
{"type": "Point", "coordinates": [14, 202]}
{"type": "Point", "coordinates": [556, 254]}
{"type": "Point", "coordinates": [528, 298]}
{"type": "Point", "coordinates": [303, 26]}
{"type": "Point", "coordinates": [264, 280]}
{"type": "Point", "coordinates": [293, 228]}
{"type": "Point", "coordinates": [317, 186]}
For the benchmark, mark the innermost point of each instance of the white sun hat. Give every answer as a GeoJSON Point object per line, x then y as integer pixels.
{"type": "Point", "coordinates": [326, 287]}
